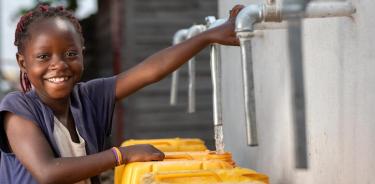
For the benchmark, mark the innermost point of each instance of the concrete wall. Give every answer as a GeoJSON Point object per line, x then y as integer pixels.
{"type": "Point", "coordinates": [339, 63]}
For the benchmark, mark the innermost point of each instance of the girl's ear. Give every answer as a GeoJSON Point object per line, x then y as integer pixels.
{"type": "Point", "coordinates": [83, 50]}
{"type": "Point", "coordinates": [21, 62]}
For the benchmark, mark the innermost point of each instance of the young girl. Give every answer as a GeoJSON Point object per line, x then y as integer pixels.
{"type": "Point", "coordinates": [54, 131]}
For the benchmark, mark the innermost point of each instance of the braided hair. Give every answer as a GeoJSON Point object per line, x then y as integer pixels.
{"type": "Point", "coordinates": [42, 11]}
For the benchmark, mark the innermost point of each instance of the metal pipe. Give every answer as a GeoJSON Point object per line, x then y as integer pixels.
{"type": "Point", "coordinates": [216, 75]}
{"type": "Point", "coordinates": [191, 90]}
{"type": "Point", "coordinates": [245, 22]}
{"type": "Point", "coordinates": [320, 10]}
{"type": "Point", "coordinates": [313, 10]}
{"type": "Point", "coordinates": [254, 14]}
{"type": "Point", "coordinates": [194, 30]}
{"type": "Point", "coordinates": [215, 63]}
{"type": "Point", "coordinates": [248, 89]}
{"type": "Point", "coordinates": [178, 37]}
{"type": "Point", "coordinates": [216, 84]}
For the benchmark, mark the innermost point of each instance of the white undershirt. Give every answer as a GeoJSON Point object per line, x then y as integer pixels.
{"type": "Point", "coordinates": [66, 146]}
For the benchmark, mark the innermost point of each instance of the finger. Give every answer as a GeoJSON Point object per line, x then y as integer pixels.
{"type": "Point", "coordinates": [238, 9]}
{"type": "Point", "coordinates": [234, 42]}
{"type": "Point", "coordinates": [235, 10]}
{"type": "Point", "coordinates": [158, 156]}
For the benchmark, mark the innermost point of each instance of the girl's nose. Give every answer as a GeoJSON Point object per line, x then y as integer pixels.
{"type": "Point", "coordinates": [58, 63]}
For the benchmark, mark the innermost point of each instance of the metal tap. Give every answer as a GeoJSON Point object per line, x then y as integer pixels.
{"type": "Point", "coordinates": [178, 37]}
{"type": "Point", "coordinates": [193, 30]}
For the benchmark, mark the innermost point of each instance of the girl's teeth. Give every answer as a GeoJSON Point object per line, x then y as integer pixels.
{"type": "Point", "coordinates": [58, 79]}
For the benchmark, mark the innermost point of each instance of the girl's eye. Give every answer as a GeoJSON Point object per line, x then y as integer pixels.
{"type": "Point", "coordinates": [42, 57]}
{"type": "Point", "coordinates": [71, 54]}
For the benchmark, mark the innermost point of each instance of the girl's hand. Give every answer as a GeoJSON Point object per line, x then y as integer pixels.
{"type": "Point", "coordinates": [141, 153]}
{"type": "Point", "coordinates": [225, 34]}
{"type": "Point", "coordinates": [164, 62]}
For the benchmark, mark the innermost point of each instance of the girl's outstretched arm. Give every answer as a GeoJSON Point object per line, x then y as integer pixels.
{"type": "Point", "coordinates": [30, 146]}
{"type": "Point", "coordinates": [164, 62]}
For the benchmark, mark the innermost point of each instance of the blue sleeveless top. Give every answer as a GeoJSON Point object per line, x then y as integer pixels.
{"type": "Point", "coordinates": [92, 105]}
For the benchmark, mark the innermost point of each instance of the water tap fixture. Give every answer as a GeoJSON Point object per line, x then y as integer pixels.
{"type": "Point", "coordinates": [193, 30]}
{"type": "Point", "coordinates": [216, 75]}
{"type": "Point", "coordinates": [245, 22]}
{"type": "Point", "coordinates": [178, 37]}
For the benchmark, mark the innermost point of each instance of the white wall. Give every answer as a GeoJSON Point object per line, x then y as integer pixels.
{"type": "Point", "coordinates": [339, 59]}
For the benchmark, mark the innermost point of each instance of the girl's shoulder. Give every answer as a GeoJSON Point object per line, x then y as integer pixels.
{"type": "Point", "coordinates": [24, 104]}
{"type": "Point", "coordinates": [96, 88]}
{"type": "Point", "coordinates": [97, 84]}
{"type": "Point", "coordinates": [15, 97]}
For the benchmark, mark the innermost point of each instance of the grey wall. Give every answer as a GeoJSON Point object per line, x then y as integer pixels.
{"type": "Point", "coordinates": [339, 59]}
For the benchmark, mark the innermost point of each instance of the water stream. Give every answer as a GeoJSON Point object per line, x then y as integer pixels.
{"type": "Point", "coordinates": [219, 139]}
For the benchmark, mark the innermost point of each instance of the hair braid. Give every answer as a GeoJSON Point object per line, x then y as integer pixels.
{"type": "Point", "coordinates": [42, 11]}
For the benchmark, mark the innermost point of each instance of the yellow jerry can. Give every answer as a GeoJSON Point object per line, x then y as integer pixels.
{"type": "Point", "coordinates": [171, 145]}
{"type": "Point", "coordinates": [218, 176]}
{"type": "Point", "coordinates": [199, 155]}
{"type": "Point", "coordinates": [165, 145]}
{"type": "Point", "coordinates": [133, 172]}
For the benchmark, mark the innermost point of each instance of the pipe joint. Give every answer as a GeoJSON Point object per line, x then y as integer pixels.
{"type": "Point", "coordinates": [245, 35]}
{"type": "Point", "coordinates": [249, 16]}
{"type": "Point", "coordinates": [272, 13]}
{"type": "Point", "coordinates": [180, 36]}
{"type": "Point", "coordinates": [195, 29]}
{"type": "Point", "coordinates": [210, 20]}
{"type": "Point", "coordinates": [211, 23]}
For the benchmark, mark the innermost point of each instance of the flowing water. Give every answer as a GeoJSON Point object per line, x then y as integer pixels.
{"type": "Point", "coordinates": [219, 139]}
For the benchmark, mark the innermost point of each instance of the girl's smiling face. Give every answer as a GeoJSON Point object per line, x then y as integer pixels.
{"type": "Point", "coordinates": [52, 58]}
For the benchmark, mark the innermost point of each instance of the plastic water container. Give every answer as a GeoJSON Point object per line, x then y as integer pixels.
{"type": "Point", "coordinates": [133, 172]}
{"type": "Point", "coordinates": [171, 145]}
{"type": "Point", "coordinates": [185, 156]}
{"type": "Point", "coordinates": [199, 155]}
{"type": "Point", "coordinates": [219, 176]}
{"type": "Point", "coordinates": [165, 145]}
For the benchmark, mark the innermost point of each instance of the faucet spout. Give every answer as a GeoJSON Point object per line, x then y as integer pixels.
{"type": "Point", "coordinates": [245, 22]}
{"type": "Point", "coordinates": [193, 30]}
{"type": "Point", "coordinates": [178, 37]}
{"type": "Point", "coordinates": [216, 77]}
